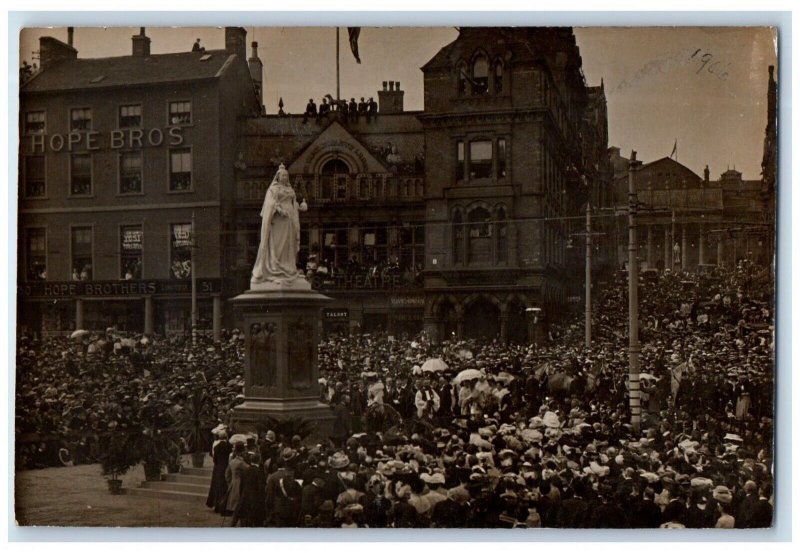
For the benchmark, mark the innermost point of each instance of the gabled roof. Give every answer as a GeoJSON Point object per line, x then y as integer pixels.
{"type": "Point", "coordinates": [336, 140]}
{"type": "Point", "coordinates": [89, 73]}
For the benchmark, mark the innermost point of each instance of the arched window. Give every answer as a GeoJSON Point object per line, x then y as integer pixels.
{"type": "Point", "coordinates": [363, 188]}
{"type": "Point", "coordinates": [480, 76]}
{"type": "Point", "coordinates": [458, 238]}
{"type": "Point", "coordinates": [334, 175]}
{"type": "Point", "coordinates": [502, 236]}
{"type": "Point", "coordinates": [480, 236]}
{"type": "Point", "coordinates": [498, 77]}
{"type": "Point", "coordinates": [462, 78]}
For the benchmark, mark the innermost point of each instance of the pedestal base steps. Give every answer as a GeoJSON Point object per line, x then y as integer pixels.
{"type": "Point", "coordinates": [190, 485]}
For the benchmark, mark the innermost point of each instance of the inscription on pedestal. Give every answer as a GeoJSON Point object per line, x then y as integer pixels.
{"type": "Point", "coordinates": [301, 354]}
{"type": "Point", "coordinates": [263, 355]}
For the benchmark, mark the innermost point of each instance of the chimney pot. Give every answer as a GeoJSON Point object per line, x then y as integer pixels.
{"type": "Point", "coordinates": [397, 85]}
{"type": "Point", "coordinates": [70, 35]}
{"type": "Point", "coordinates": [254, 46]}
{"type": "Point", "coordinates": [141, 44]}
{"type": "Point", "coordinates": [384, 85]}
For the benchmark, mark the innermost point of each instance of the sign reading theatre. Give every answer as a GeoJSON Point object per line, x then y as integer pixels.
{"type": "Point", "coordinates": [115, 140]}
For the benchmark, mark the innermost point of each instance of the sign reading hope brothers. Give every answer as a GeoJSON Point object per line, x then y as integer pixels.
{"type": "Point", "coordinates": [115, 140]}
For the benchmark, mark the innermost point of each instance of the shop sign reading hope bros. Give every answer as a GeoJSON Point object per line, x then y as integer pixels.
{"type": "Point", "coordinates": [116, 139]}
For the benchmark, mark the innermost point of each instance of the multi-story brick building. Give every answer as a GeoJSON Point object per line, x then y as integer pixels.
{"type": "Point", "coordinates": [515, 143]}
{"type": "Point", "coordinates": [117, 156]}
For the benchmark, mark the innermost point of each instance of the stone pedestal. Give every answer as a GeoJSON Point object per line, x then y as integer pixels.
{"type": "Point", "coordinates": [281, 326]}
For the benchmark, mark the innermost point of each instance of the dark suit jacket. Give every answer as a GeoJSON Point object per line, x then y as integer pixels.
{"type": "Point", "coordinates": [573, 513]}
{"type": "Point", "coordinates": [762, 515]}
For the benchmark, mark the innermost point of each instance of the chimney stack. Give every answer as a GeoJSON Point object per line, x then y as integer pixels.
{"type": "Point", "coordinates": [236, 41]}
{"type": "Point", "coordinates": [70, 36]}
{"type": "Point", "coordinates": [390, 100]}
{"type": "Point", "coordinates": [141, 44]}
{"type": "Point", "coordinates": [256, 72]}
{"type": "Point", "coordinates": [52, 50]}
{"type": "Point", "coordinates": [706, 175]}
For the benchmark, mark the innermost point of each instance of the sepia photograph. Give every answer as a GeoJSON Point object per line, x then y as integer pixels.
{"type": "Point", "coordinates": [396, 277]}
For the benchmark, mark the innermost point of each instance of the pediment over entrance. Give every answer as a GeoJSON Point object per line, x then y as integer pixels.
{"type": "Point", "coordinates": [336, 142]}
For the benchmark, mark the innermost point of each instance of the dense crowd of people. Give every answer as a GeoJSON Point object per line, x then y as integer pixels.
{"type": "Point", "coordinates": [466, 434]}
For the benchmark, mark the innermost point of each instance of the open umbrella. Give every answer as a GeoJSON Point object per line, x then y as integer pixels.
{"type": "Point", "coordinates": [80, 333]}
{"type": "Point", "coordinates": [467, 374]}
{"type": "Point", "coordinates": [238, 439]}
{"type": "Point", "coordinates": [434, 365]}
{"type": "Point", "coordinates": [648, 376]}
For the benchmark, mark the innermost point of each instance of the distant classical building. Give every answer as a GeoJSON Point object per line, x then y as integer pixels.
{"type": "Point", "coordinates": [686, 221]}
{"type": "Point", "coordinates": [117, 155]}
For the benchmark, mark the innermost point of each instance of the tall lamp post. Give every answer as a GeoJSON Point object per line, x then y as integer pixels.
{"type": "Point", "coordinates": [633, 300]}
{"type": "Point", "coordinates": [194, 283]}
{"type": "Point", "coordinates": [588, 282]}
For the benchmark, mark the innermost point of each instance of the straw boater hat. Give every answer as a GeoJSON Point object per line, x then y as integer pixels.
{"type": "Point", "coordinates": [338, 460]}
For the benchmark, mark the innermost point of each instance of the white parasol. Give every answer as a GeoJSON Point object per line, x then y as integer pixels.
{"type": "Point", "coordinates": [80, 333]}
{"type": "Point", "coordinates": [434, 365]}
{"type": "Point", "coordinates": [468, 374]}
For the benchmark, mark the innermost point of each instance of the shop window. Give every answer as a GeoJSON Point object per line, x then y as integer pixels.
{"type": "Point", "coordinates": [502, 236]}
{"type": "Point", "coordinates": [35, 122]}
{"type": "Point", "coordinates": [458, 238]}
{"type": "Point", "coordinates": [130, 173]}
{"type": "Point", "coordinates": [36, 254]}
{"type": "Point", "coordinates": [130, 249]}
{"type": "Point", "coordinates": [181, 250]}
{"type": "Point", "coordinates": [130, 116]}
{"type": "Point", "coordinates": [334, 247]}
{"type": "Point", "coordinates": [363, 188]}
{"type": "Point", "coordinates": [180, 169]}
{"type": "Point", "coordinates": [501, 158]}
{"type": "Point", "coordinates": [35, 186]}
{"type": "Point", "coordinates": [480, 76]}
{"type": "Point", "coordinates": [180, 113]}
{"type": "Point", "coordinates": [498, 77]}
{"type": "Point", "coordinates": [334, 177]}
{"type": "Point", "coordinates": [460, 160]}
{"type": "Point", "coordinates": [375, 241]}
{"type": "Point", "coordinates": [81, 174]}
{"type": "Point", "coordinates": [480, 159]}
{"type": "Point", "coordinates": [82, 253]}
{"type": "Point", "coordinates": [480, 236]}
{"type": "Point", "coordinates": [81, 119]}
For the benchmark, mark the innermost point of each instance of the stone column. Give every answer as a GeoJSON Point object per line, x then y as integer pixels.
{"type": "Point", "coordinates": [649, 246]}
{"type": "Point", "coordinates": [460, 323]}
{"type": "Point", "coordinates": [431, 326]}
{"type": "Point", "coordinates": [684, 251]}
{"type": "Point", "coordinates": [667, 249]}
{"type": "Point", "coordinates": [148, 315]}
{"type": "Point", "coordinates": [217, 317]}
{"type": "Point", "coordinates": [78, 313]}
{"type": "Point", "coordinates": [701, 244]}
{"type": "Point", "coordinates": [503, 323]}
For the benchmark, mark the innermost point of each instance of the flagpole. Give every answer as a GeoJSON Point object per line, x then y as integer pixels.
{"type": "Point", "coordinates": [337, 66]}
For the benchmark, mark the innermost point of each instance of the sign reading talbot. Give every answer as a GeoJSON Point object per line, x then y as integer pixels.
{"type": "Point", "coordinates": [115, 140]}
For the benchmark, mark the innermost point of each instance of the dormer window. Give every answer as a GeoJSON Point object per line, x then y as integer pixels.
{"type": "Point", "coordinates": [498, 77]}
{"type": "Point", "coordinates": [480, 76]}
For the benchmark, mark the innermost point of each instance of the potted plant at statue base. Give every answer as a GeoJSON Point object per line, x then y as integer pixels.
{"type": "Point", "coordinates": [173, 457]}
{"type": "Point", "coordinates": [195, 421]}
{"type": "Point", "coordinates": [118, 457]}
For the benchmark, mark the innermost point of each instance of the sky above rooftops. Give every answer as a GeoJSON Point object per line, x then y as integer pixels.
{"type": "Point", "coordinates": [705, 87]}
